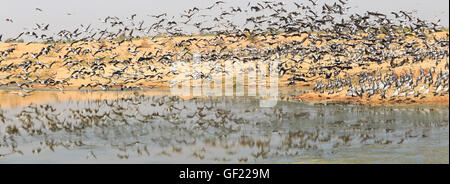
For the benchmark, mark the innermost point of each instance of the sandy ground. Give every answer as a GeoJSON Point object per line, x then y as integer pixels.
{"type": "Point", "coordinates": [59, 71]}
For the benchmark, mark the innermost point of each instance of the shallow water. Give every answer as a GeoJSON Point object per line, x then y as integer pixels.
{"type": "Point", "coordinates": [154, 127]}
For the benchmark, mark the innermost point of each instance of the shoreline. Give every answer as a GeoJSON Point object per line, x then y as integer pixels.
{"type": "Point", "coordinates": [47, 95]}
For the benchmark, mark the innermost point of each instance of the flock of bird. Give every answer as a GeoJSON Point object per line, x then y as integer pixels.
{"type": "Point", "coordinates": [406, 85]}
{"type": "Point", "coordinates": [321, 45]}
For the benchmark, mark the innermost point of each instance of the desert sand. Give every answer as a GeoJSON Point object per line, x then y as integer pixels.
{"type": "Point", "coordinates": [52, 67]}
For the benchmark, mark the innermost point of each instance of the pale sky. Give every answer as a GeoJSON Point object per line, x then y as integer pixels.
{"type": "Point", "coordinates": [24, 15]}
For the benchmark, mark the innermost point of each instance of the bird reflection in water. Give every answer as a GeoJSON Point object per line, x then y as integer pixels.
{"type": "Point", "coordinates": [211, 129]}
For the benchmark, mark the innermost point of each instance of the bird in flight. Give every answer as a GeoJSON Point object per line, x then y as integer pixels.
{"type": "Point", "coordinates": [9, 20]}
{"type": "Point", "coordinates": [38, 9]}
{"type": "Point", "coordinates": [158, 16]}
{"type": "Point", "coordinates": [313, 2]}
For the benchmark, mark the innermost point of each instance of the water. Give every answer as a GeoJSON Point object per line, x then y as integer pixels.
{"type": "Point", "coordinates": [155, 127]}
